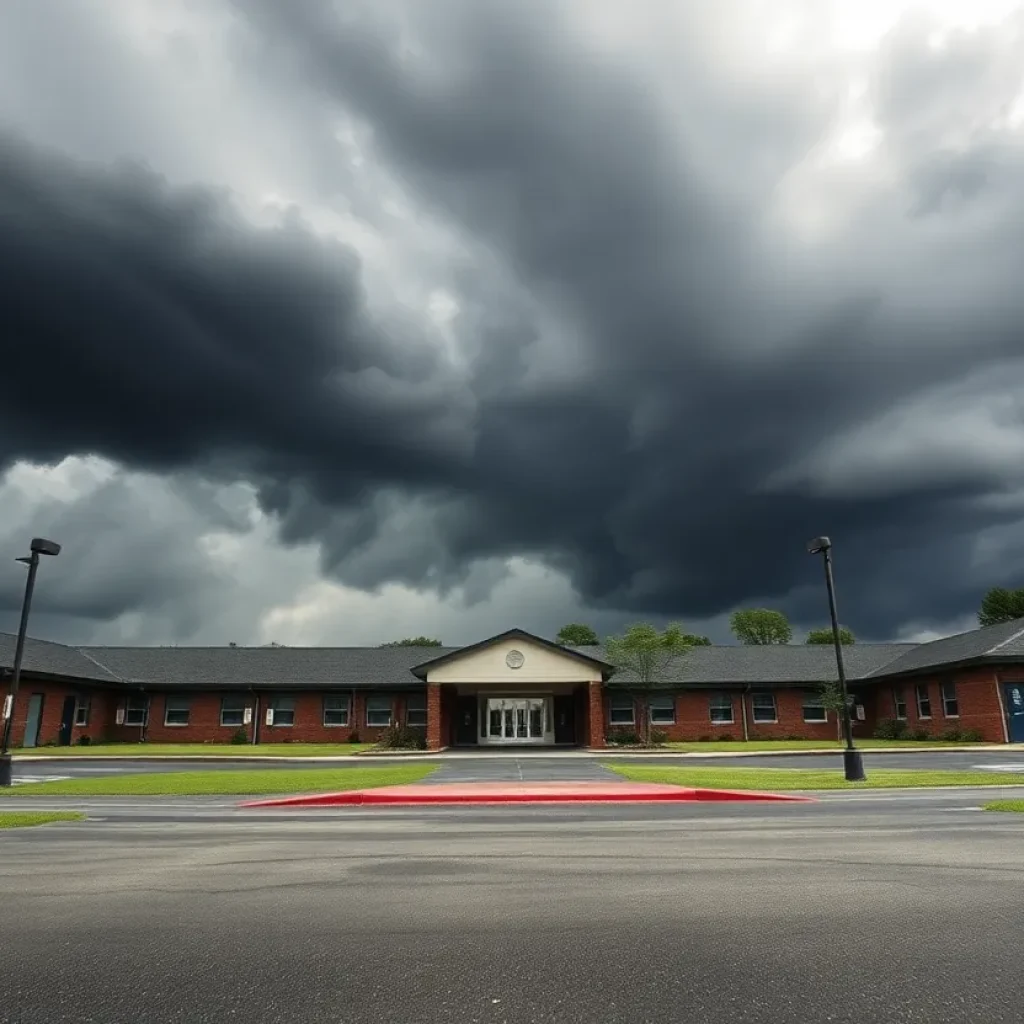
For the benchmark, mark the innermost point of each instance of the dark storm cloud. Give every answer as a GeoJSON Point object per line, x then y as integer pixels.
{"type": "Point", "coordinates": [676, 470]}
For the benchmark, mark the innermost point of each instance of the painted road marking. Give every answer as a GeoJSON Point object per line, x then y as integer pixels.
{"type": "Point", "coordinates": [22, 779]}
{"type": "Point", "coordinates": [1018, 768]}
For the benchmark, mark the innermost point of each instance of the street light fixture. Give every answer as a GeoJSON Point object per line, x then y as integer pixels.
{"type": "Point", "coordinates": [39, 546]}
{"type": "Point", "coordinates": [853, 762]}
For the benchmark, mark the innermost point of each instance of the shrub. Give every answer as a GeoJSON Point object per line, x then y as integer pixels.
{"type": "Point", "coordinates": [703, 739]}
{"type": "Point", "coordinates": [623, 737]}
{"type": "Point", "coordinates": [658, 736]}
{"type": "Point", "coordinates": [353, 737]}
{"type": "Point", "coordinates": [793, 736]}
{"type": "Point", "coordinates": [724, 736]}
{"type": "Point", "coordinates": [84, 741]}
{"type": "Point", "coordinates": [239, 737]}
{"type": "Point", "coordinates": [919, 734]}
{"type": "Point", "coordinates": [890, 729]}
{"type": "Point", "coordinates": [971, 736]}
{"type": "Point", "coordinates": [951, 735]}
{"type": "Point", "coordinates": [401, 737]}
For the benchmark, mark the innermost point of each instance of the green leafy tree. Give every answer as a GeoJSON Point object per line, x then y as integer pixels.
{"type": "Point", "coordinates": [414, 641]}
{"type": "Point", "coordinates": [761, 626]}
{"type": "Point", "coordinates": [576, 634]}
{"type": "Point", "coordinates": [823, 636]}
{"type": "Point", "coordinates": [1001, 605]}
{"type": "Point", "coordinates": [831, 696]}
{"type": "Point", "coordinates": [647, 656]}
{"type": "Point", "coordinates": [696, 641]}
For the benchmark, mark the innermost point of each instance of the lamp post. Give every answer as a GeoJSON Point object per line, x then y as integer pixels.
{"type": "Point", "coordinates": [853, 762]}
{"type": "Point", "coordinates": [39, 546]}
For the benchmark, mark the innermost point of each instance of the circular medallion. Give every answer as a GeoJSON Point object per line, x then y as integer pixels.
{"type": "Point", "coordinates": [514, 659]}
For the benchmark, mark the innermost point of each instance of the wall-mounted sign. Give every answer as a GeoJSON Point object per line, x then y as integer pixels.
{"type": "Point", "coordinates": [860, 712]}
{"type": "Point", "coordinates": [515, 659]}
{"type": "Point", "coordinates": [119, 716]}
{"type": "Point", "coordinates": [270, 716]}
{"type": "Point", "coordinates": [8, 704]}
{"type": "Point", "coordinates": [247, 716]}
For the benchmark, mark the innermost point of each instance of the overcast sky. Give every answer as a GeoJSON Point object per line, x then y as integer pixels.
{"type": "Point", "coordinates": [334, 323]}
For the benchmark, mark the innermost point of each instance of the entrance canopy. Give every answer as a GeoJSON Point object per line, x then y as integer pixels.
{"type": "Point", "coordinates": [515, 658]}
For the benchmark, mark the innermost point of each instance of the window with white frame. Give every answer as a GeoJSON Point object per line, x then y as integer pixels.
{"type": "Point", "coordinates": [176, 711]}
{"type": "Point", "coordinates": [335, 709]}
{"type": "Point", "coordinates": [662, 709]}
{"type": "Point", "coordinates": [416, 710]}
{"type": "Point", "coordinates": [378, 712]}
{"type": "Point", "coordinates": [232, 711]}
{"type": "Point", "coordinates": [899, 703]}
{"type": "Point", "coordinates": [814, 709]}
{"type": "Point", "coordinates": [284, 711]}
{"type": "Point", "coordinates": [950, 705]}
{"type": "Point", "coordinates": [762, 704]}
{"type": "Point", "coordinates": [82, 706]}
{"type": "Point", "coordinates": [720, 708]}
{"type": "Point", "coordinates": [924, 701]}
{"type": "Point", "coordinates": [620, 709]}
{"type": "Point", "coordinates": [136, 711]}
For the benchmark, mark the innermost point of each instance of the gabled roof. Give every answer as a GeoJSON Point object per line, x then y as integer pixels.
{"type": "Point", "coordinates": [587, 655]}
{"type": "Point", "coordinates": [1004, 640]}
{"type": "Point", "coordinates": [773, 664]}
{"type": "Point", "coordinates": [46, 658]}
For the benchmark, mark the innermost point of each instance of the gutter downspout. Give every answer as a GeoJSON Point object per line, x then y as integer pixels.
{"type": "Point", "coordinates": [352, 726]}
{"type": "Point", "coordinates": [1002, 708]}
{"type": "Point", "coordinates": [743, 713]}
{"type": "Point", "coordinates": [255, 718]}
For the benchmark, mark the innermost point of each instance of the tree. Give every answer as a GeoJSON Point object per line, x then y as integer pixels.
{"type": "Point", "coordinates": [414, 641]}
{"type": "Point", "coordinates": [823, 636]}
{"type": "Point", "coordinates": [647, 656]}
{"type": "Point", "coordinates": [761, 626]}
{"type": "Point", "coordinates": [831, 696]}
{"type": "Point", "coordinates": [696, 641]}
{"type": "Point", "coordinates": [576, 634]}
{"type": "Point", "coordinates": [1001, 605]}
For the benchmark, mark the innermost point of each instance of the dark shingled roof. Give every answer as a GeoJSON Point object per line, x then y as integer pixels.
{"type": "Point", "coordinates": [52, 659]}
{"type": "Point", "coordinates": [1005, 640]}
{"type": "Point", "coordinates": [773, 663]}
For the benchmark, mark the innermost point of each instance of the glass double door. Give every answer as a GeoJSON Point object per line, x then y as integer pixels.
{"type": "Point", "coordinates": [515, 720]}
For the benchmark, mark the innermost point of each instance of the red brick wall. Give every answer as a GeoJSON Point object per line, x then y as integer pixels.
{"type": "Point", "coordinates": [977, 697]}
{"type": "Point", "coordinates": [54, 695]}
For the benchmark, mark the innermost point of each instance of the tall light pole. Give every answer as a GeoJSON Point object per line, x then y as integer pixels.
{"type": "Point", "coordinates": [39, 546]}
{"type": "Point", "coordinates": [853, 762]}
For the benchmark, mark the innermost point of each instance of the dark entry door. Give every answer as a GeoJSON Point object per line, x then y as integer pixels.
{"type": "Point", "coordinates": [1014, 693]}
{"type": "Point", "coordinates": [565, 719]}
{"type": "Point", "coordinates": [465, 721]}
{"type": "Point", "coordinates": [34, 721]}
{"type": "Point", "coordinates": [67, 721]}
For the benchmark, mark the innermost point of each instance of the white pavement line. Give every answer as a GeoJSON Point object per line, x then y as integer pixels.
{"type": "Point", "coordinates": [1019, 767]}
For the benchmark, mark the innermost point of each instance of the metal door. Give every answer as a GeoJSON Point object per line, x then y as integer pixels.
{"type": "Point", "coordinates": [1014, 693]}
{"type": "Point", "coordinates": [465, 720]}
{"type": "Point", "coordinates": [67, 721]}
{"type": "Point", "coordinates": [34, 721]}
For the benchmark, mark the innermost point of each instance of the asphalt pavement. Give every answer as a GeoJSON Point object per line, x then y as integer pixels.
{"type": "Point", "coordinates": [882, 907]}
{"type": "Point", "coordinates": [535, 767]}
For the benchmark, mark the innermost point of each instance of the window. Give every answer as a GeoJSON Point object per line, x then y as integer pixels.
{"type": "Point", "coordinates": [950, 705]}
{"type": "Point", "coordinates": [232, 711]}
{"type": "Point", "coordinates": [814, 710]}
{"type": "Point", "coordinates": [720, 705]}
{"type": "Point", "coordinates": [416, 710]}
{"type": "Point", "coordinates": [663, 710]}
{"type": "Point", "coordinates": [176, 711]}
{"type": "Point", "coordinates": [284, 710]}
{"type": "Point", "coordinates": [763, 705]}
{"type": "Point", "coordinates": [924, 702]}
{"type": "Point", "coordinates": [136, 711]}
{"type": "Point", "coordinates": [82, 711]}
{"type": "Point", "coordinates": [621, 709]}
{"type": "Point", "coordinates": [378, 712]}
{"type": "Point", "coordinates": [899, 702]}
{"type": "Point", "coordinates": [335, 710]}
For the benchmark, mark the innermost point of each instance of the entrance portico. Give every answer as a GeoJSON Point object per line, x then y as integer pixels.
{"type": "Point", "coordinates": [515, 689]}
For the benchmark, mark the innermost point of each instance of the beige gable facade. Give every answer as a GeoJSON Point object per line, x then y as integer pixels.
{"type": "Point", "coordinates": [514, 662]}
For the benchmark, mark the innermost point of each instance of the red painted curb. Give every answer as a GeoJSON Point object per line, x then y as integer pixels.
{"type": "Point", "coordinates": [424, 795]}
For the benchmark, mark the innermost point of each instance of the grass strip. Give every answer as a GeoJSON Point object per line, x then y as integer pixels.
{"type": "Point", "coordinates": [239, 750]}
{"type": "Point", "coordinates": [26, 819]}
{"type": "Point", "coordinates": [778, 779]}
{"type": "Point", "coordinates": [1014, 806]}
{"type": "Point", "coordinates": [231, 782]}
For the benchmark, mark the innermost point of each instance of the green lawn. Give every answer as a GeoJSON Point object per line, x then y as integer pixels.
{"type": "Point", "coordinates": [1016, 806]}
{"type": "Point", "coordinates": [733, 746]}
{"type": "Point", "coordinates": [228, 782]}
{"type": "Point", "coordinates": [199, 749]}
{"type": "Point", "coordinates": [799, 778]}
{"type": "Point", "coordinates": [25, 819]}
